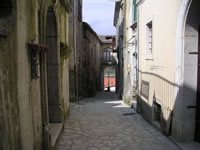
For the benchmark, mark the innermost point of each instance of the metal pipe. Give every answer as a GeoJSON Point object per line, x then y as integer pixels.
{"type": "Point", "coordinates": [74, 23]}
{"type": "Point", "coordinates": [137, 65]}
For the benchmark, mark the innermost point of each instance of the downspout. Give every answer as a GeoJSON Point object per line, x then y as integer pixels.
{"type": "Point", "coordinates": [124, 46]}
{"type": "Point", "coordinates": [137, 64]}
{"type": "Point", "coordinates": [74, 23]}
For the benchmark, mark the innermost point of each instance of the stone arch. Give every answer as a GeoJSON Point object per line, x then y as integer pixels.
{"type": "Point", "coordinates": [187, 36]}
{"type": "Point", "coordinates": [53, 67]}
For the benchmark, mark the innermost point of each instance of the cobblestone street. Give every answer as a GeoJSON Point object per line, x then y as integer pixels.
{"type": "Point", "coordinates": [105, 123]}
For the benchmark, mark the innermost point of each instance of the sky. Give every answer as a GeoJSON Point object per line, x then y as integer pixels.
{"type": "Point", "coordinates": [99, 14]}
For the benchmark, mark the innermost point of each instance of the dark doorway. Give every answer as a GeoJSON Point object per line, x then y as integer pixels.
{"type": "Point", "coordinates": [53, 69]}
{"type": "Point", "coordinates": [197, 127]}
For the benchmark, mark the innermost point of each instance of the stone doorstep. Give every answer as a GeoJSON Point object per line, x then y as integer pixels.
{"type": "Point", "coordinates": [55, 130]}
{"type": "Point", "coordinates": [192, 145]}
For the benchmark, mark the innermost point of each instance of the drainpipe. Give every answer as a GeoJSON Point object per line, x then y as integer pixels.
{"type": "Point", "coordinates": [124, 46]}
{"type": "Point", "coordinates": [74, 23]}
{"type": "Point", "coordinates": [137, 64]}
{"type": "Point", "coordinates": [108, 81]}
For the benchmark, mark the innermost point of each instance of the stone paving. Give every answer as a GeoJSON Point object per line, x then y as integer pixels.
{"type": "Point", "coordinates": [105, 123]}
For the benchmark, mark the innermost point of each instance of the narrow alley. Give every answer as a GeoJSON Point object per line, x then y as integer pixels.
{"type": "Point", "coordinates": [99, 74]}
{"type": "Point", "coordinates": [105, 123]}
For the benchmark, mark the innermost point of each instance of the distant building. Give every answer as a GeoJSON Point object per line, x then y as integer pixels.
{"type": "Point", "coordinates": [119, 24]}
{"type": "Point", "coordinates": [110, 61]}
{"type": "Point", "coordinates": [125, 21]}
{"type": "Point", "coordinates": [91, 62]}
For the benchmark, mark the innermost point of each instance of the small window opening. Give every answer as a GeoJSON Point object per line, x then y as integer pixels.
{"type": "Point", "coordinates": [157, 112]}
{"type": "Point", "coordinates": [5, 8]}
{"type": "Point", "coordinates": [149, 38]}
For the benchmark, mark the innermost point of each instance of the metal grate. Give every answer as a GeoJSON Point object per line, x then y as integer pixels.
{"type": "Point", "coordinates": [129, 114]}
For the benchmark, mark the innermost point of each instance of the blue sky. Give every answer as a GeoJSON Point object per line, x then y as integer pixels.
{"type": "Point", "coordinates": [99, 14]}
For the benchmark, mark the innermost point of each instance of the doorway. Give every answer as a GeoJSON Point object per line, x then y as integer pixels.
{"type": "Point", "coordinates": [191, 82]}
{"type": "Point", "coordinates": [197, 124]}
{"type": "Point", "coordinates": [110, 79]}
{"type": "Point", "coordinates": [53, 69]}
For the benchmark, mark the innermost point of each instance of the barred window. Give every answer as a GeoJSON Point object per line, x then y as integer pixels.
{"type": "Point", "coordinates": [108, 55]}
{"type": "Point", "coordinates": [149, 38]}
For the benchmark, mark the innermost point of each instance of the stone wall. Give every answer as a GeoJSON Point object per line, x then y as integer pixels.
{"type": "Point", "coordinates": [92, 57]}
{"type": "Point", "coordinates": [75, 33]}
{"type": "Point", "coordinates": [24, 98]}
{"type": "Point", "coordinates": [119, 24]}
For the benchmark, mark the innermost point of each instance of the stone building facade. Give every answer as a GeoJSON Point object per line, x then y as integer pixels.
{"type": "Point", "coordinates": [130, 51]}
{"type": "Point", "coordinates": [91, 62]}
{"type": "Point", "coordinates": [168, 66]}
{"type": "Point", "coordinates": [119, 24]}
{"type": "Point", "coordinates": [86, 54]}
{"type": "Point", "coordinates": [165, 48]}
{"type": "Point", "coordinates": [75, 33]}
{"type": "Point", "coordinates": [34, 86]}
{"type": "Point", "coordinates": [125, 22]}
{"type": "Point", "coordinates": [110, 61]}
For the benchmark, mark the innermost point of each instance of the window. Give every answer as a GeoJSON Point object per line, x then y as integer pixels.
{"type": "Point", "coordinates": [134, 11]}
{"type": "Point", "coordinates": [79, 11]}
{"type": "Point", "coordinates": [108, 54]}
{"type": "Point", "coordinates": [5, 8]}
{"type": "Point", "coordinates": [7, 22]}
{"type": "Point", "coordinates": [149, 38]}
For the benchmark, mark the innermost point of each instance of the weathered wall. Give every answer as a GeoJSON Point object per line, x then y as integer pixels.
{"type": "Point", "coordinates": [21, 108]}
{"type": "Point", "coordinates": [64, 37]}
{"type": "Point", "coordinates": [183, 126]}
{"type": "Point", "coordinates": [128, 50]}
{"type": "Point", "coordinates": [28, 89]}
{"type": "Point", "coordinates": [75, 33]}
{"type": "Point", "coordinates": [158, 70]}
{"type": "Point", "coordinates": [92, 57]}
{"type": "Point", "coordinates": [119, 24]}
{"type": "Point", "coordinates": [9, 106]}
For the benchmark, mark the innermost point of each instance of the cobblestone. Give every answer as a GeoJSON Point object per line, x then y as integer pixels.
{"type": "Point", "coordinates": [99, 124]}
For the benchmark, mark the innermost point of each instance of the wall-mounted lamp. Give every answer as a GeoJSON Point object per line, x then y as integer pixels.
{"type": "Point", "coordinates": [35, 62]}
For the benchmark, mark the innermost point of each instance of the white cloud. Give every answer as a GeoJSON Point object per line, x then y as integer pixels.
{"type": "Point", "coordinates": [99, 14]}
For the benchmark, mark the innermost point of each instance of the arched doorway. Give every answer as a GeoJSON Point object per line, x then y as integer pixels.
{"type": "Point", "coordinates": [191, 90]}
{"type": "Point", "coordinates": [109, 78]}
{"type": "Point", "coordinates": [186, 116]}
{"type": "Point", "coordinates": [53, 69]}
{"type": "Point", "coordinates": [110, 62]}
